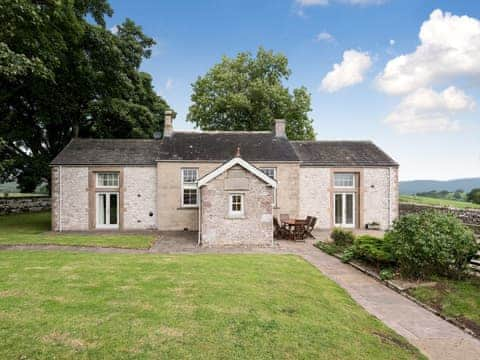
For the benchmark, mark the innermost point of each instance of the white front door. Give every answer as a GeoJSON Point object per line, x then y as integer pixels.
{"type": "Point", "coordinates": [107, 210]}
{"type": "Point", "coordinates": [344, 209]}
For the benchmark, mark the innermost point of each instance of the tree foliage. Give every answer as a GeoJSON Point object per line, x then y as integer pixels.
{"type": "Point", "coordinates": [62, 75]}
{"type": "Point", "coordinates": [247, 93]}
{"type": "Point", "coordinates": [474, 196]}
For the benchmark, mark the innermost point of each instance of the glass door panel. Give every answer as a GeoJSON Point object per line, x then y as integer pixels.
{"type": "Point", "coordinates": [338, 209]}
{"type": "Point", "coordinates": [344, 209]}
{"type": "Point", "coordinates": [113, 209]}
{"type": "Point", "coordinates": [349, 211]}
{"type": "Point", "coordinates": [107, 210]}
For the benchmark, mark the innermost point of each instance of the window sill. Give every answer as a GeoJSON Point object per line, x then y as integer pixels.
{"type": "Point", "coordinates": [188, 207]}
{"type": "Point", "coordinates": [234, 217]}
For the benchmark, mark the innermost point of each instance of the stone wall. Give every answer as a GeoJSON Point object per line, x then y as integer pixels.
{"type": "Point", "coordinates": [377, 200]}
{"type": "Point", "coordinates": [140, 203]}
{"type": "Point", "coordinates": [255, 227]}
{"type": "Point", "coordinates": [468, 216]}
{"type": "Point", "coordinates": [380, 196]}
{"type": "Point", "coordinates": [24, 204]}
{"type": "Point", "coordinates": [314, 194]}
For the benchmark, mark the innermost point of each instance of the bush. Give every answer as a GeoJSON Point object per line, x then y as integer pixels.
{"type": "Point", "coordinates": [342, 237]}
{"type": "Point", "coordinates": [374, 250]}
{"type": "Point", "coordinates": [431, 243]}
{"type": "Point", "coordinates": [329, 248]}
{"type": "Point", "coordinates": [387, 274]}
{"type": "Point", "coordinates": [348, 255]}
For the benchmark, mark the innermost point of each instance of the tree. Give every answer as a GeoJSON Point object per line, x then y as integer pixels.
{"type": "Point", "coordinates": [474, 196]}
{"type": "Point", "coordinates": [247, 93]}
{"type": "Point", "coordinates": [62, 75]}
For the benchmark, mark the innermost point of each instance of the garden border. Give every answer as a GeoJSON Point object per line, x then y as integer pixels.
{"type": "Point", "coordinates": [397, 289]}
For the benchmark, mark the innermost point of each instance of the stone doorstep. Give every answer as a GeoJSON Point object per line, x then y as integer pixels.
{"type": "Point", "coordinates": [397, 287]}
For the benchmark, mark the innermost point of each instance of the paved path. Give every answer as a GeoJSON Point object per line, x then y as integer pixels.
{"type": "Point", "coordinates": [435, 337]}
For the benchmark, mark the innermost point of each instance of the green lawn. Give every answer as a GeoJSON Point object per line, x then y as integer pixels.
{"type": "Point", "coordinates": [32, 228]}
{"type": "Point", "coordinates": [459, 299]}
{"type": "Point", "coordinates": [79, 305]}
{"type": "Point", "coordinates": [422, 200]}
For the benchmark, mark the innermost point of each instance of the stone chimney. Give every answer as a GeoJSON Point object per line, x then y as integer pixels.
{"type": "Point", "coordinates": [279, 128]}
{"type": "Point", "coordinates": [168, 125]}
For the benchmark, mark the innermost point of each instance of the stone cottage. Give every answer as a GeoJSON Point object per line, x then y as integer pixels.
{"type": "Point", "coordinates": [225, 185]}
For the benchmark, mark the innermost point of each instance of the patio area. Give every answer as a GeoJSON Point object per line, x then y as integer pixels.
{"type": "Point", "coordinates": [187, 242]}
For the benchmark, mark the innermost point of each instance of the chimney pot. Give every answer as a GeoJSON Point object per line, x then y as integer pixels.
{"type": "Point", "coordinates": [279, 128]}
{"type": "Point", "coordinates": [168, 123]}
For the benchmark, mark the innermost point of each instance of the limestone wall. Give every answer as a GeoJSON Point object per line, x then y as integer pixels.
{"type": "Point", "coordinates": [255, 227]}
{"type": "Point", "coordinates": [24, 204]}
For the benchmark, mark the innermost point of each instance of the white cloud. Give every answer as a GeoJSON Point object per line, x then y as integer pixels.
{"type": "Point", "coordinates": [349, 72]}
{"type": "Point", "coordinates": [426, 110]}
{"type": "Point", "coordinates": [391, 42]}
{"type": "Point", "coordinates": [325, 36]}
{"type": "Point", "coordinates": [449, 48]}
{"type": "Point", "coordinates": [169, 84]}
{"type": "Point", "coordinates": [114, 29]}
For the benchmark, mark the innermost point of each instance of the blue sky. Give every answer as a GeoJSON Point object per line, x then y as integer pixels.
{"type": "Point", "coordinates": [421, 108]}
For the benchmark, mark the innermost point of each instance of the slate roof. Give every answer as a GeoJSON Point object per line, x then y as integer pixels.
{"type": "Point", "coordinates": [222, 146]}
{"type": "Point", "coordinates": [108, 152]}
{"type": "Point", "coordinates": [341, 153]}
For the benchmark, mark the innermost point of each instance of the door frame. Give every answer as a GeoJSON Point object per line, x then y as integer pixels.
{"type": "Point", "coordinates": [344, 209]}
{"type": "Point", "coordinates": [107, 209]}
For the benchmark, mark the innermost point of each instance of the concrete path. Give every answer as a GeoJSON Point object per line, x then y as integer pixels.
{"type": "Point", "coordinates": [435, 337]}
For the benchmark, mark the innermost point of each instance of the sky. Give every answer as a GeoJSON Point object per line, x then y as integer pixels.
{"type": "Point", "coordinates": [404, 74]}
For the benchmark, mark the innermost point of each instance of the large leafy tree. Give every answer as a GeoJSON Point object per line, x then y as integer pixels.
{"type": "Point", "coordinates": [247, 93]}
{"type": "Point", "coordinates": [63, 74]}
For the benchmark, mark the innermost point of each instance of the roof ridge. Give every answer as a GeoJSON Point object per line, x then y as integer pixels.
{"type": "Point", "coordinates": [208, 132]}
{"type": "Point", "coordinates": [320, 141]}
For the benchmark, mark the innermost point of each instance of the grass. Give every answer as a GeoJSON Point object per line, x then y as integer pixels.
{"type": "Point", "coordinates": [79, 305]}
{"type": "Point", "coordinates": [459, 299]}
{"type": "Point", "coordinates": [33, 228]}
{"type": "Point", "coordinates": [422, 200]}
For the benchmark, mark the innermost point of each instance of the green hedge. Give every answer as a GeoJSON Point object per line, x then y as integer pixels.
{"type": "Point", "coordinates": [431, 243]}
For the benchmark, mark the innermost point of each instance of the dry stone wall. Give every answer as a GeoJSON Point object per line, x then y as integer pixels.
{"type": "Point", "coordinates": [23, 205]}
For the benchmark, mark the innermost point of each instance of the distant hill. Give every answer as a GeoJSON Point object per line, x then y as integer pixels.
{"type": "Point", "coordinates": [416, 186]}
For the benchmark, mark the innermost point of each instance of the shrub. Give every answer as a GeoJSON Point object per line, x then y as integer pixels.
{"type": "Point", "coordinates": [387, 274]}
{"type": "Point", "coordinates": [374, 250]}
{"type": "Point", "coordinates": [342, 237]}
{"type": "Point", "coordinates": [348, 255]}
{"type": "Point", "coordinates": [329, 248]}
{"type": "Point", "coordinates": [431, 243]}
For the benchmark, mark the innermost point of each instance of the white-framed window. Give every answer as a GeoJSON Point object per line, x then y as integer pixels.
{"type": "Point", "coordinates": [189, 187]}
{"type": "Point", "coordinates": [271, 172]}
{"type": "Point", "coordinates": [344, 180]}
{"type": "Point", "coordinates": [236, 205]}
{"type": "Point", "coordinates": [107, 180]}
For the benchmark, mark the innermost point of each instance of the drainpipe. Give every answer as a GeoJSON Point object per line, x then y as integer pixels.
{"type": "Point", "coordinates": [389, 197]}
{"type": "Point", "coordinates": [60, 227]}
{"type": "Point", "coordinates": [199, 216]}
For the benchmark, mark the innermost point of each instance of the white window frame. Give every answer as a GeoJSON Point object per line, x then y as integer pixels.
{"type": "Point", "coordinates": [107, 194]}
{"type": "Point", "coordinates": [344, 186]}
{"type": "Point", "coordinates": [274, 170]}
{"type": "Point", "coordinates": [344, 223]}
{"type": "Point", "coordinates": [188, 186]}
{"type": "Point", "coordinates": [236, 213]}
{"type": "Point", "coordinates": [101, 185]}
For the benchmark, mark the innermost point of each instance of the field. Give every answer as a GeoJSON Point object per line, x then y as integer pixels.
{"type": "Point", "coordinates": [437, 202]}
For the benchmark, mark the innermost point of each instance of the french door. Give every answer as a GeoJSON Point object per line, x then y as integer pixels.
{"type": "Point", "coordinates": [344, 209]}
{"type": "Point", "coordinates": [107, 210]}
